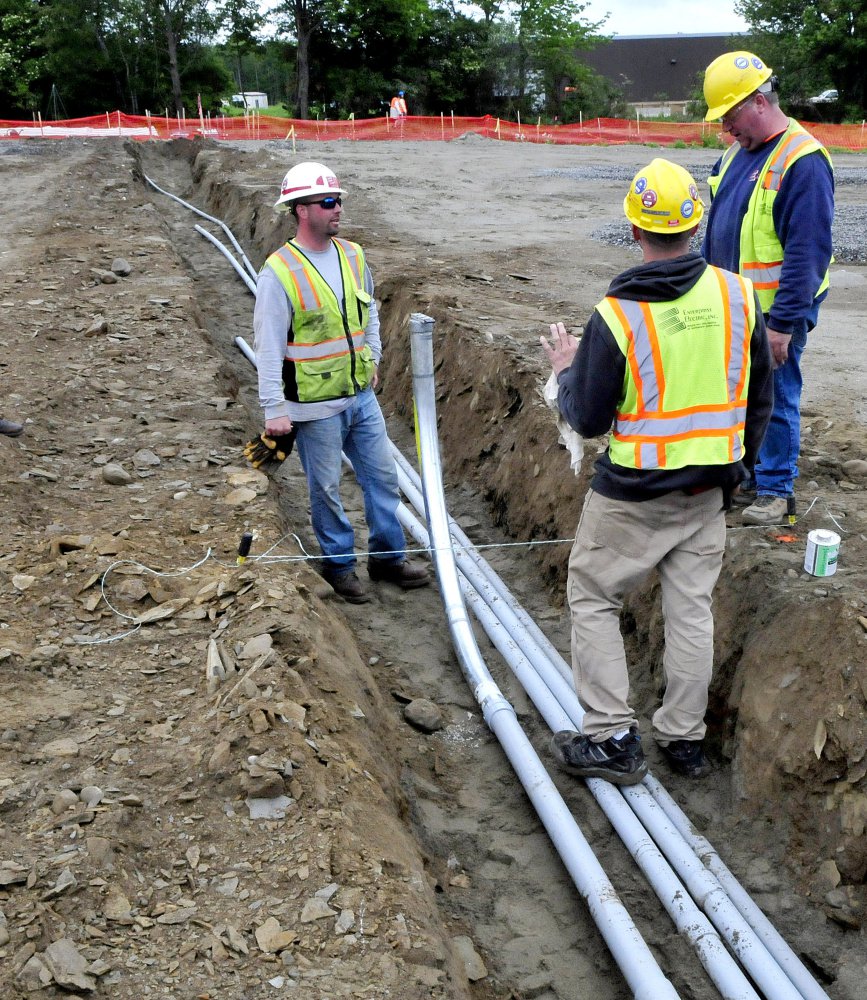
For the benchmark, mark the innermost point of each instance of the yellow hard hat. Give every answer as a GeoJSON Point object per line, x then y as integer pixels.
{"type": "Point", "coordinates": [663, 197]}
{"type": "Point", "coordinates": [730, 79]}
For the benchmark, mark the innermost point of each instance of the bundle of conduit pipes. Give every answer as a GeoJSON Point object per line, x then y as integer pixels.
{"type": "Point", "coordinates": [741, 951]}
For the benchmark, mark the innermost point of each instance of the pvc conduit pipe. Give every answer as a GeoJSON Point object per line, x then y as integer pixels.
{"type": "Point", "coordinates": [499, 590]}
{"type": "Point", "coordinates": [778, 948]}
{"type": "Point", "coordinates": [219, 222]}
{"type": "Point", "coordinates": [690, 922]}
{"type": "Point", "coordinates": [629, 950]}
{"type": "Point", "coordinates": [224, 250]}
{"type": "Point", "coordinates": [560, 687]}
{"type": "Point", "coordinates": [758, 923]}
{"type": "Point", "coordinates": [773, 941]}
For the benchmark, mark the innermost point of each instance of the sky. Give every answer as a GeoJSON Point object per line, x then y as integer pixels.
{"type": "Point", "coordinates": [665, 17]}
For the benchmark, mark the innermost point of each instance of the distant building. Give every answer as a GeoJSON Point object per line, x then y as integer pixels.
{"type": "Point", "coordinates": [663, 68]}
{"type": "Point", "coordinates": [251, 99]}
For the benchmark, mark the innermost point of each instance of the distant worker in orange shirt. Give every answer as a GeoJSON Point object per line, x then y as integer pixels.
{"type": "Point", "coordinates": [398, 106]}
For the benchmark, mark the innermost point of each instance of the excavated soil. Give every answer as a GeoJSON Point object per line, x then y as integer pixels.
{"type": "Point", "coordinates": [154, 690]}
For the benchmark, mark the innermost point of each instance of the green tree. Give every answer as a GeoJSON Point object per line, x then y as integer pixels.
{"type": "Point", "coordinates": [811, 43]}
{"type": "Point", "coordinates": [242, 20]}
{"type": "Point", "coordinates": [22, 56]}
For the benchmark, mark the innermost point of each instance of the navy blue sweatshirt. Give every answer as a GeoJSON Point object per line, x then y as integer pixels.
{"type": "Point", "coordinates": [591, 389]}
{"type": "Point", "coordinates": [803, 215]}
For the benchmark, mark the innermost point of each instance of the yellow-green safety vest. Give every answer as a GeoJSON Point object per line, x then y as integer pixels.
{"type": "Point", "coordinates": [326, 344]}
{"type": "Point", "coordinates": [684, 399]}
{"type": "Point", "coordinates": [761, 253]}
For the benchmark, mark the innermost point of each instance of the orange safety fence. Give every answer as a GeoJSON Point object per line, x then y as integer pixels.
{"type": "Point", "coordinates": [601, 131]}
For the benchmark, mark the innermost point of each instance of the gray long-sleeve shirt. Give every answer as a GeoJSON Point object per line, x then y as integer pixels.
{"type": "Point", "coordinates": [272, 318]}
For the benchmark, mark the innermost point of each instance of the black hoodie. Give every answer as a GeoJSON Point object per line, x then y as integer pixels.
{"type": "Point", "coordinates": [590, 390]}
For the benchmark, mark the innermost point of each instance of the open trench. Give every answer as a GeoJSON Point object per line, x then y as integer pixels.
{"type": "Point", "coordinates": [507, 479]}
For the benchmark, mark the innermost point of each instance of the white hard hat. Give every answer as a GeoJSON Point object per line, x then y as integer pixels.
{"type": "Point", "coordinates": [303, 180]}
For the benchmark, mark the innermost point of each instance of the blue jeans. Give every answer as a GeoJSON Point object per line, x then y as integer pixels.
{"type": "Point", "coordinates": [360, 431]}
{"type": "Point", "coordinates": [777, 467]}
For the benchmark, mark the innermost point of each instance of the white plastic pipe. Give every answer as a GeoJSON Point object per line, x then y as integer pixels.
{"type": "Point", "coordinates": [796, 971]}
{"type": "Point", "coordinates": [224, 250]}
{"type": "Point", "coordinates": [750, 933]}
{"type": "Point", "coordinates": [688, 919]}
{"type": "Point", "coordinates": [219, 222]}
{"type": "Point", "coordinates": [628, 948]}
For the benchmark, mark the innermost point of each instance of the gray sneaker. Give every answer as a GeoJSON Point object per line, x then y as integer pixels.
{"type": "Point", "coordinates": [767, 510]}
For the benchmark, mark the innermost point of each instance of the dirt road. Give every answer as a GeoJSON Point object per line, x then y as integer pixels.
{"type": "Point", "coordinates": [403, 859]}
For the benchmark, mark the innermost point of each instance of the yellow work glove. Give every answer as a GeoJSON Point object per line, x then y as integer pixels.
{"type": "Point", "coordinates": [267, 448]}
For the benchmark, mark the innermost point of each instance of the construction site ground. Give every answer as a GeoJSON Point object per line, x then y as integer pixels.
{"type": "Point", "coordinates": [156, 697]}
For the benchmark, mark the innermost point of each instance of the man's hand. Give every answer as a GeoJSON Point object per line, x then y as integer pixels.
{"type": "Point", "coordinates": [562, 348]}
{"type": "Point", "coordinates": [270, 447]}
{"type": "Point", "coordinates": [779, 346]}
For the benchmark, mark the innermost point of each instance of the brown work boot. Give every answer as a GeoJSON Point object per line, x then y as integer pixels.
{"type": "Point", "coordinates": [767, 510]}
{"type": "Point", "coordinates": [10, 428]}
{"type": "Point", "coordinates": [349, 587]}
{"type": "Point", "coordinates": [405, 574]}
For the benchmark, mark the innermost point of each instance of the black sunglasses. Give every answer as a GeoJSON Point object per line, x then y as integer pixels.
{"type": "Point", "coordinates": [327, 203]}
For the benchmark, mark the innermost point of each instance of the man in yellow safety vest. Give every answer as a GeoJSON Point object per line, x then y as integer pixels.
{"type": "Point", "coordinates": [675, 363]}
{"type": "Point", "coordinates": [317, 351]}
{"type": "Point", "coordinates": [770, 220]}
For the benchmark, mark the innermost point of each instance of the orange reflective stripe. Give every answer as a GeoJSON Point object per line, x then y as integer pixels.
{"type": "Point", "coordinates": [787, 151]}
{"type": "Point", "coordinates": [323, 349]}
{"type": "Point", "coordinates": [352, 259]}
{"type": "Point", "coordinates": [653, 343]}
{"type": "Point", "coordinates": [685, 411]}
{"type": "Point", "coordinates": [691, 435]}
{"type": "Point", "coordinates": [630, 354]}
{"type": "Point", "coordinates": [295, 270]}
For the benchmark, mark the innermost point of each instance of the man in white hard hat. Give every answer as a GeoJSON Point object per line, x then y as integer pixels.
{"type": "Point", "coordinates": [317, 350]}
{"type": "Point", "coordinates": [770, 219]}
{"type": "Point", "coordinates": [675, 363]}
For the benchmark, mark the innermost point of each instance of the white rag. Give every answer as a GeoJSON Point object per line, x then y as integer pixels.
{"type": "Point", "coordinates": [571, 439]}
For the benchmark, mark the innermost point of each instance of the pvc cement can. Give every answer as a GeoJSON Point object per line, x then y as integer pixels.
{"type": "Point", "coordinates": [823, 547]}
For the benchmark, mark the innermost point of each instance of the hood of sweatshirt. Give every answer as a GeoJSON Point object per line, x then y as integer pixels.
{"type": "Point", "coordinates": [660, 280]}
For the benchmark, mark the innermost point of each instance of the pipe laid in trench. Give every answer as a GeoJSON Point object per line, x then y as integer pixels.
{"type": "Point", "coordinates": [218, 222]}
{"type": "Point", "coordinates": [688, 919]}
{"type": "Point", "coordinates": [768, 933]}
{"type": "Point", "coordinates": [672, 828]}
{"type": "Point", "coordinates": [627, 947]}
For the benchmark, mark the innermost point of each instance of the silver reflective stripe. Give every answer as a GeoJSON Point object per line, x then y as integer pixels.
{"type": "Point", "coordinates": [352, 258]}
{"type": "Point", "coordinates": [300, 278]}
{"type": "Point", "coordinates": [683, 423]}
{"type": "Point", "coordinates": [764, 275]}
{"type": "Point", "coordinates": [335, 348]}
{"type": "Point", "coordinates": [774, 174]}
{"type": "Point", "coordinates": [649, 456]}
{"type": "Point", "coordinates": [738, 308]}
{"type": "Point", "coordinates": [642, 352]}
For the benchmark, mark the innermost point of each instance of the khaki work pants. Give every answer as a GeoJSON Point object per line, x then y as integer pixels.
{"type": "Point", "coordinates": [616, 546]}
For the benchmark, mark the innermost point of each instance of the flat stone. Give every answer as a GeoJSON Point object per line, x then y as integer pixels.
{"type": "Point", "coordinates": [271, 938]}
{"type": "Point", "coordinates": [466, 952]}
{"type": "Point", "coordinates": [68, 966]}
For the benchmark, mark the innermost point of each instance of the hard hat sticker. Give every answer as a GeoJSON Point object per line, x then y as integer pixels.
{"type": "Point", "coordinates": [741, 62]}
{"type": "Point", "coordinates": [687, 208]}
{"type": "Point", "coordinates": [640, 185]}
{"type": "Point", "coordinates": [758, 63]}
{"type": "Point", "coordinates": [648, 199]}
{"type": "Point", "coordinates": [693, 192]}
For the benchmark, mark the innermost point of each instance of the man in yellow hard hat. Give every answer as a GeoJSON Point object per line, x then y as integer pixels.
{"type": "Point", "coordinates": [770, 219]}
{"type": "Point", "coordinates": [675, 363]}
